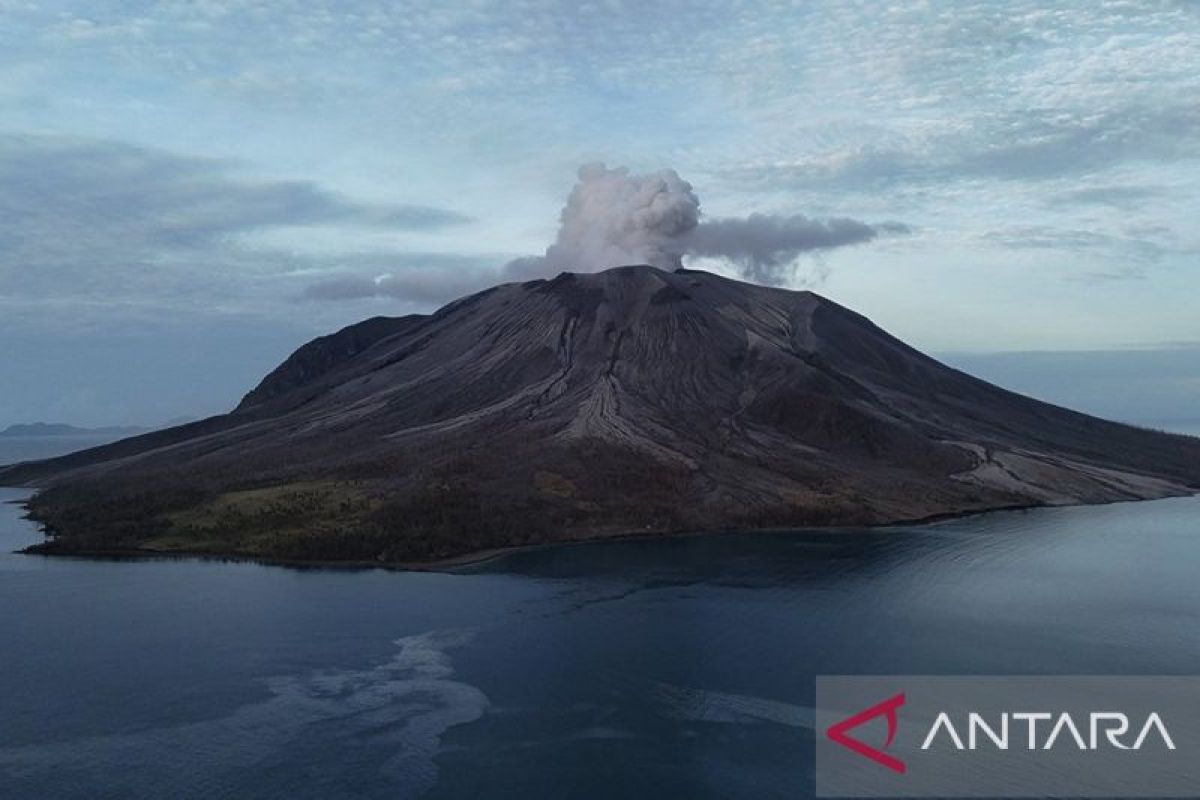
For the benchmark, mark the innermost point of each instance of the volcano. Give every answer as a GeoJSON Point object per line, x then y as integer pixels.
{"type": "Point", "coordinates": [634, 400]}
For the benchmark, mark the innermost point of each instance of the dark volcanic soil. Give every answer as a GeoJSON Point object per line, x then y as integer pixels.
{"type": "Point", "coordinates": [591, 404]}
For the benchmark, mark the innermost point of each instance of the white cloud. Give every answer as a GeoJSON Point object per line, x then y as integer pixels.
{"type": "Point", "coordinates": [961, 117]}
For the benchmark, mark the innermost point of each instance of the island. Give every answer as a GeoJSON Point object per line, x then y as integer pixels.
{"type": "Point", "coordinates": [630, 401]}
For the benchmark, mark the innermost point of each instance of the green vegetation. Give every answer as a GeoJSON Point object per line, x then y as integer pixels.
{"type": "Point", "coordinates": [260, 521]}
{"type": "Point", "coordinates": [464, 506]}
{"type": "Point", "coordinates": [459, 508]}
{"type": "Point", "coordinates": [254, 522]}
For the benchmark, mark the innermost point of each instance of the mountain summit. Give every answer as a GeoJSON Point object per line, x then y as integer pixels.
{"type": "Point", "coordinates": [629, 400]}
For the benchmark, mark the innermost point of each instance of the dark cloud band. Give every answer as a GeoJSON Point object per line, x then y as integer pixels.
{"type": "Point", "coordinates": [73, 203]}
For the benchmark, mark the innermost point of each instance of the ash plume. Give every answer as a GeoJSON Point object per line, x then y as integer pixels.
{"type": "Point", "coordinates": [613, 218]}
{"type": "Point", "coordinates": [764, 248]}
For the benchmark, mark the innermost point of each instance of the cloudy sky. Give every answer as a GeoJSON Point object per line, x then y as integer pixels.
{"type": "Point", "coordinates": [190, 189]}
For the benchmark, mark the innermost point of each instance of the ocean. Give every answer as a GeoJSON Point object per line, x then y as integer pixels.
{"type": "Point", "coordinates": [662, 667]}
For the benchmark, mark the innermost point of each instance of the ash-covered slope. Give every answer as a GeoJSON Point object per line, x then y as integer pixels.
{"type": "Point", "coordinates": [629, 400]}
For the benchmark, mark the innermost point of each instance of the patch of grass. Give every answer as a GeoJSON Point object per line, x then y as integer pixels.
{"type": "Point", "coordinates": [256, 521]}
{"type": "Point", "coordinates": [554, 484]}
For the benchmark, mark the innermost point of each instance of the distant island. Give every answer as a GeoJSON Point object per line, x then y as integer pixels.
{"type": "Point", "coordinates": [63, 429]}
{"type": "Point", "coordinates": [635, 400]}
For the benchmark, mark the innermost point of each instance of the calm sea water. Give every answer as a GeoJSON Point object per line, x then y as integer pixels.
{"type": "Point", "coordinates": [28, 448]}
{"type": "Point", "coordinates": [679, 667]}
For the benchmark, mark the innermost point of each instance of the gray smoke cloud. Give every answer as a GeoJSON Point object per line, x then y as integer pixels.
{"type": "Point", "coordinates": [613, 218]}
{"type": "Point", "coordinates": [765, 247]}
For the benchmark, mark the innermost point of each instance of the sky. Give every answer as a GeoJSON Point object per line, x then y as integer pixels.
{"type": "Point", "coordinates": [190, 190]}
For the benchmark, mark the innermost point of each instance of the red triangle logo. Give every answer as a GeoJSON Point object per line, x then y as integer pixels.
{"type": "Point", "coordinates": [838, 732]}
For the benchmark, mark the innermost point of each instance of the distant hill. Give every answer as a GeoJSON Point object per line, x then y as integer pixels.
{"type": "Point", "coordinates": [631, 400]}
{"type": "Point", "coordinates": [62, 429]}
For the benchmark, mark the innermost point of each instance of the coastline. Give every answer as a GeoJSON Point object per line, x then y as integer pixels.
{"type": "Point", "coordinates": [473, 559]}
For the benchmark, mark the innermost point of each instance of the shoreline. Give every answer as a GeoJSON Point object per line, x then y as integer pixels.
{"type": "Point", "coordinates": [453, 564]}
